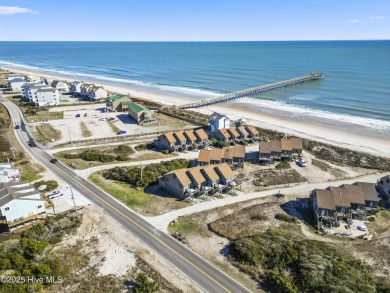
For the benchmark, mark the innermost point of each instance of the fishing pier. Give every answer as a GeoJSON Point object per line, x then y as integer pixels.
{"type": "Point", "coordinates": [252, 92]}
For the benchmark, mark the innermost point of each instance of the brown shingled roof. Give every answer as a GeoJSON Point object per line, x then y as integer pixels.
{"type": "Point", "coordinates": [368, 190]}
{"type": "Point", "coordinates": [204, 156]}
{"type": "Point", "coordinates": [189, 134]}
{"type": "Point", "coordinates": [355, 194]}
{"type": "Point", "coordinates": [225, 170]}
{"type": "Point", "coordinates": [251, 129]}
{"type": "Point", "coordinates": [296, 143]}
{"type": "Point", "coordinates": [181, 176]}
{"type": "Point", "coordinates": [227, 153]}
{"type": "Point", "coordinates": [286, 144]}
{"type": "Point", "coordinates": [341, 196]}
{"type": "Point", "coordinates": [201, 134]}
{"type": "Point", "coordinates": [169, 136]}
{"type": "Point", "coordinates": [210, 172]}
{"type": "Point", "coordinates": [325, 199]}
{"type": "Point", "coordinates": [276, 146]}
{"type": "Point", "coordinates": [265, 147]}
{"type": "Point", "coordinates": [233, 132]}
{"type": "Point", "coordinates": [179, 136]}
{"type": "Point", "coordinates": [242, 131]}
{"type": "Point", "coordinates": [216, 154]}
{"type": "Point", "coordinates": [239, 151]}
{"type": "Point", "coordinates": [224, 133]}
{"type": "Point", "coordinates": [196, 175]}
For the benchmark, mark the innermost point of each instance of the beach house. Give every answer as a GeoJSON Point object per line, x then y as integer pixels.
{"type": "Point", "coordinates": [286, 145]}
{"type": "Point", "coordinates": [225, 173]}
{"type": "Point", "coordinates": [276, 149]}
{"type": "Point", "coordinates": [233, 155]}
{"type": "Point", "coordinates": [218, 121]}
{"type": "Point", "coordinates": [181, 140]}
{"type": "Point", "coordinates": [140, 113]}
{"type": "Point", "coordinates": [33, 78]}
{"type": "Point", "coordinates": [8, 173]}
{"type": "Point", "coordinates": [191, 138]}
{"type": "Point", "coordinates": [97, 93]}
{"type": "Point", "coordinates": [253, 132]}
{"type": "Point", "coordinates": [29, 89]}
{"type": "Point", "coordinates": [166, 141]}
{"type": "Point", "coordinates": [61, 86]}
{"type": "Point", "coordinates": [75, 88]}
{"type": "Point", "coordinates": [223, 135]}
{"type": "Point", "coordinates": [296, 146]}
{"type": "Point", "coordinates": [370, 196]}
{"type": "Point", "coordinates": [47, 97]}
{"type": "Point", "coordinates": [20, 200]}
{"type": "Point", "coordinates": [84, 89]}
{"type": "Point", "coordinates": [202, 137]}
{"type": "Point", "coordinates": [383, 186]}
{"type": "Point", "coordinates": [16, 84]}
{"type": "Point", "coordinates": [234, 135]}
{"type": "Point", "coordinates": [10, 77]}
{"type": "Point", "coordinates": [244, 135]}
{"type": "Point", "coordinates": [176, 182]}
{"type": "Point", "coordinates": [265, 152]}
{"type": "Point", "coordinates": [114, 103]}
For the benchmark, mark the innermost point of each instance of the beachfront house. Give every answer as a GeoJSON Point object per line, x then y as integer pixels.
{"type": "Point", "coordinates": [383, 186]}
{"type": "Point", "coordinates": [181, 140]}
{"type": "Point", "coordinates": [33, 78]}
{"type": "Point", "coordinates": [16, 84]}
{"type": "Point", "coordinates": [296, 146]}
{"type": "Point", "coordinates": [20, 200]}
{"type": "Point", "coordinates": [114, 103]}
{"type": "Point", "coordinates": [225, 173]}
{"type": "Point", "coordinates": [356, 198]}
{"type": "Point", "coordinates": [286, 145]}
{"type": "Point", "coordinates": [75, 88]}
{"type": "Point", "coordinates": [218, 121]}
{"type": "Point", "coordinates": [97, 93]}
{"type": "Point", "coordinates": [234, 135]}
{"type": "Point", "coordinates": [233, 155]}
{"type": "Point", "coordinates": [276, 149]}
{"type": "Point", "coordinates": [61, 86]}
{"type": "Point", "coordinates": [244, 135]}
{"type": "Point", "coordinates": [47, 97]}
{"type": "Point", "coordinates": [198, 181]}
{"type": "Point", "coordinates": [324, 207]}
{"type": "Point", "coordinates": [191, 138]}
{"type": "Point", "coordinates": [265, 152]}
{"type": "Point", "coordinates": [84, 89]}
{"type": "Point", "coordinates": [29, 89]}
{"type": "Point", "coordinates": [140, 113]}
{"type": "Point", "coordinates": [211, 176]}
{"type": "Point", "coordinates": [202, 137]}
{"type": "Point", "coordinates": [8, 173]}
{"type": "Point", "coordinates": [370, 196]}
{"type": "Point", "coordinates": [253, 132]}
{"type": "Point", "coordinates": [222, 134]}
{"type": "Point", "coordinates": [10, 77]}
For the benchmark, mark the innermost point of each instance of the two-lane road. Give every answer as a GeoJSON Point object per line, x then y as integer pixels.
{"type": "Point", "coordinates": [208, 277]}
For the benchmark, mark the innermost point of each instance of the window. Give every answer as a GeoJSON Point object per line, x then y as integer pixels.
{"type": "Point", "coordinates": [6, 209]}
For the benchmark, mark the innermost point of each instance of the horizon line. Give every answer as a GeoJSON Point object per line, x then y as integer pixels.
{"type": "Point", "coordinates": [198, 41]}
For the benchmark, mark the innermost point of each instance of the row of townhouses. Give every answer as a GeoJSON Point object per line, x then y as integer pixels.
{"type": "Point", "coordinates": [281, 149]}
{"type": "Point", "coordinates": [247, 133]}
{"type": "Point", "coordinates": [197, 181]}
{"type": "Point", "coordinates": [182, 140]}
{"type": "Point", "coordinates": [233, 155]}
{"type": "Point", "coordinates": [90, 91]}
{"type": "Point", "coordinates": [346, 202]}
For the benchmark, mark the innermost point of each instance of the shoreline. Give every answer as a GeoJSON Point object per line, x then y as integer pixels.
{"type": "Point", "coordinates": [341, 134]}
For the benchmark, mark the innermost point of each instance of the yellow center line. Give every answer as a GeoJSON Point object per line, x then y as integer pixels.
{"type": "Point", "coordinates": [145, 230]}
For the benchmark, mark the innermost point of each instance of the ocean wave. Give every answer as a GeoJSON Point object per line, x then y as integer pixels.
{"type": "Point", "coordinates": [304, 97]}
{"type": "Point", "coordinates": [302, 112]}
{"type": "Point", "coordinates": [194, 92]}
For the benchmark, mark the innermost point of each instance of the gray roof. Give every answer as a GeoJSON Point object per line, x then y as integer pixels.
{"type": "Point", "coordinates": [46, 90]}
{"type": "Point", "coordinates": [11, 191]}
{"type": "Point", "coordinates": [54, 83]}
{"type": "Point", "coordinates": [218, 116]}
{"type": "Point", "coordinates": [17, 80]}
{"type": "Point", "coordinates": [368, 190]}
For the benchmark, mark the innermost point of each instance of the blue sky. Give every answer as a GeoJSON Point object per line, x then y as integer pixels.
{"type": "Point", "coordinates": [194, 20]}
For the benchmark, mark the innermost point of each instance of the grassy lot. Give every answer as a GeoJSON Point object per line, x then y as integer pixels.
{"type": "Point", "coordinates": [138, 200]}
{"type": "Point", "coordinates": [186, 226]}
{"type": "Point", "coordinates": [167, 120]}
{"type": "Point", "coordinates": [47, 133]}
{"type": "Point", "coordinates": [82, 164]}
{"type": "Point", "coordinates": [84, 129]}
{"type": "Point", "coordinates": [45, 116]}
{"type": "Point", "coordinates": [114, 128]}
{"type": "Point", "coordinates": [30, 171]}
{"type": "Point", "coordinates": [381, 224]}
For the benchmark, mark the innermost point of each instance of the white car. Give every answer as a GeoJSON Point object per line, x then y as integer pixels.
{"type": "Point", "coordinates": [302, 163]}
{"type": "Point", "coordinates": [54, 194]}
{"type": "Point", "coordinates": [362, 228]}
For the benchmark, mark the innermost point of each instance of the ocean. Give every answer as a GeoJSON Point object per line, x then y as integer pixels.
{"type": "Point", "coordinates": [356, 89]}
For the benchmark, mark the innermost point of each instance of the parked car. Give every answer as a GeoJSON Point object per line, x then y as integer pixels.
{"type": "Point", "coordinates": [121, 132]}
{"type": "Point", "coordinates": [17, 126]}
{"type": "Point", "coordinates": [85, 114]}
{"type": "Point", "coordinates": [54, 194]}
{"type": "Point", "coordinates": [111, 118]}
{"type": "Point", "coordinates": [301, 162]}
{"type": "Point", "coordinates": [54, 160]}
{"type": "Point", "coordinates": [362, 228]}
{"type": "Point", "coordinates": [77, 115]}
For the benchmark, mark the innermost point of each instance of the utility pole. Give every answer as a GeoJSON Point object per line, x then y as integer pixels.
{"type": "Point", "coordinates": [12, 150]}
{"type": "Point", "coordinates": [74, 202]}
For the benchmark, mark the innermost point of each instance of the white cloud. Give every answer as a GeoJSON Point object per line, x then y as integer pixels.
{"type": "Point", "coordinates": [352, 20]}
{"type": "Point", "coordinates": [377, 17]}
{"type": "Point", "coordinates": [8, 10]}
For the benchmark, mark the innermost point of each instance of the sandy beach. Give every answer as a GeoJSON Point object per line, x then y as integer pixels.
{"type": "Point", "coordinates": [344, 137]}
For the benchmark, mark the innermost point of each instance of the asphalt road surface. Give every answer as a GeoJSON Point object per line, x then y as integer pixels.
{"type": "Point", "coordinates": [207, 276]}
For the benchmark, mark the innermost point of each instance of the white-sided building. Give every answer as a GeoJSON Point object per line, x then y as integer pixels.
{"type": "Point", "coordinates": [97, 93]}
{"type": "Point", "coordinates": [33, 78]}
{"type": "Point", "coordinates": [16, 84]}
{"type": "Point", "coordinates": [29, 89]}
{"type": "Point", "coordinates": [85, 88]}
{"type": "Point", "coordinates": [60, 86]}
{"type": "Point", "coordinates": [8, 173]}
{"type": "Point", "coordinates": [20, 200]}
{"type": "Point", "coordinates": [219, 121]}
{"type": "Point", "coordinates": [10, 77]}
{"type": "Point", "coordinates": [47, 97]}
{"type": "Point", "coordinates": [75, 87]}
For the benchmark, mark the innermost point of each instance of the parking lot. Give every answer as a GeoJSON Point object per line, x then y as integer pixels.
{"type": "Point", "coordinates": [65, 202]}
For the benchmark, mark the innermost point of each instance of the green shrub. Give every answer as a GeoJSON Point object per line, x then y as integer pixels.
{"type": "Point", "coordinates": [140, 147]}
{"type": "Point", "coordinates": [106, 158]}
{"type": "Point", "coordinates": [123, 150]}
{"type": "Point", "coordinates": [285, 218]}
{"type": "Point", "coordinates": [259, 217]}
{"type": "Point", "coordinates": [50, 185]}
{"type": "Point", "coordinates": [165, 152]}
{"type": "Point", "coordinates": [219, 143]}
{"type": "Point", "coordinates": [371, 218]}
{"type": "Point", "coordinates": [72, 156]}
{"type": "Point", "coordinates": [283, 165]}
{"type": "Point", "coordinates": [90, 155]}
{"type": "Point", "coordinates": [122, 157]}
